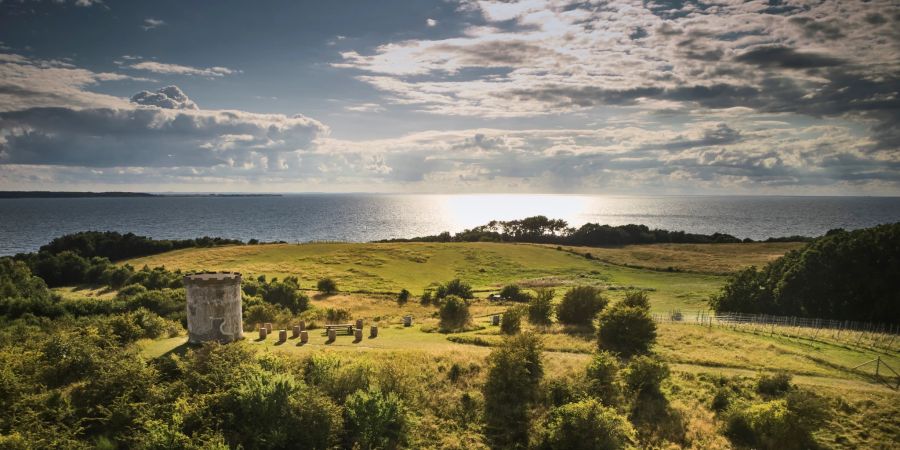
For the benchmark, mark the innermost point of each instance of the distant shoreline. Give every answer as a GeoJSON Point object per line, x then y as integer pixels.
{"type": "Point", "coordinates": [67, 194]}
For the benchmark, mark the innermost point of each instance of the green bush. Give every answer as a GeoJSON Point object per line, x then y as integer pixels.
{"type": "Point", "coordinates": [375, 420]}
{"type": "Point", "coordinates": [514, 374]}
{"type": "Point", "coordinates": [580, 305]}
{"type": "Point", "coordinates": [511, 322]}
{"type": "Point", "coordinates": [287, 294]}
{"type": "Point", "coordinates": [786, 423]}
{"type": "Point", "coordinates": [337, 315]}
{"type": "Point", "coordinates": [454, 313]}
{"type": "Point", "coordinates": [327, 285]}
{"type": "Point", "coordinates": [638, 299]}
{"type": "Point", "coordinates": [601, 377]}
{"type": "Point", "coordinates": [644, 374]}
{"type": "Point", "coordinates": [455, 287]}
{"type": "Point", "coordinates": [403, 297]}
{"type": "Point", "coordinates": [515, 293]}
{"type": "Point", "coordinates": [626, 330]}
{"type": "Point", "coordinates": [425, 299]}
{"type": "Point", "coordinates": [540, 307]}
{"type": "Point", "coordinates": [775, 384]}
{"type": "Point", "coordinates": [587, 425]}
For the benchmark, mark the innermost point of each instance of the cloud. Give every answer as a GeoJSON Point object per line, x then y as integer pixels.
{"type": "Point", "coordinates": [151, 23]}
{"type": "Point", "coordinates": [365, 107]}
{"type": "Point", "coordinates": [431, 22]}
{"type": "Point", "coordinates": [177, 69]}
{"type": "Point", "coordinates": [169, 97]}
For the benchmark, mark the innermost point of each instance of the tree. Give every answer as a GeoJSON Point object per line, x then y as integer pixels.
{"type": "Point", "coordinates": [515, 293]}
{"type": "Point", "coordinates": [286, 293]}
{"type": "Point", "coordinates": [512, 386]}
{"type": "Point", "coordinates": [638, 299]}
{"type": "Point", "coordinates": [540, 307]}
{"type": "Point", "coordinates": [580, 305]}
{"type": "Point", "coordinates": [327, 285]}
{"type": "Point", "coordinates": [511, 322]}
{"type": "Point", "coordinates": [626, 330]}
{"type": "Point", "coordinates": [455, 287]}
{"type": "Point", "coordinates": [601, 377]}
{"type": "Point", "coordinates": [375, 420]}
{"type": "Point", "coordinates": [587, 425]}
{"type": "Point", "coordinates": [454, 313]}
{"type": "Point", "coordinates": [403, 297]}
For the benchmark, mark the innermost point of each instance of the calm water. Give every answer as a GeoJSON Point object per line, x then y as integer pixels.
{"type": "Point", "coordinates": [26, 224]}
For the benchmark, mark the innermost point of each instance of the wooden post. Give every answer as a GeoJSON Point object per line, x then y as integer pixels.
{"type": "Point", "coordinates": [407, 321]}
{"type": "Point", "coordinates": [359, 324]}
{"type": "Point", "coordinates": [295, 332]}
{"type": "Point", "coordinates": [302, 325]}
{"type": "Point", "coordinates": [263, 332]}
{"type": "Point", "coordinates": [373, 332]}
{"type": "Point", "coordinates": [304, 337]}
{"type": "Point", "coordinates": [877, 365]}
{"type": "Point", "coordinates": [332, 334]}
{"type": "Point", "coordinates": [495, 319]}
{"type": "Point", "coordinates": [282, 335]}
{"type": "Point", "coordinates": [269, 327]}
{"type": "Point", "coordinates": [357, 334]}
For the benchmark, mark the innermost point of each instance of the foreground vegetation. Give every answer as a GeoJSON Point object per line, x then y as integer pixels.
{"type": "Point", "coordinates": [576, 361]}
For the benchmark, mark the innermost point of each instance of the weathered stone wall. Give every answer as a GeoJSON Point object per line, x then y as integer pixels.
{"type": "Point", "coordinates": [214, 307]}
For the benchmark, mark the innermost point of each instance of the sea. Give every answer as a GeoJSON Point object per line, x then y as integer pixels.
{"type": "Point", "coordinates": [26, 224]}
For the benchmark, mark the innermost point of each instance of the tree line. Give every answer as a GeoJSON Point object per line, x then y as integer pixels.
{"type": "Point", "coordinates": [543, 230]}
{"type": "Point", "coordinates": [844, 275]}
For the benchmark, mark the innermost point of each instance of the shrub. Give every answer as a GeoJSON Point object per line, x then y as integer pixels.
{"type": "Point", "coordinates": [515, 293]}
{"type": "Point", "coordinates": [638, 299]}
{"type": "Point", "coordinates": [425, 299]}
{"type": "Point", "coordinates": [579, 305]}
{"type": "Point", "coordinates": [644, 374]}
{"type": "Point", "coordinates": [375, 420]}
{"type": "Point", "coordinates": [327, 285]}
{"type": "Point", "coordinates": [455, 287]}
{"type": "Point", "coordinates": [540, 308]}
{"type": "Point", "coordinates": [286, 293]}
{"type": "Point", "coordinates": [261, 313]}
{"type": "Point", "coordinates": [337, 315]}
{"type": "Point", "coordinates": [454, 313]}
{"type": "Point", "coordinates": [778, 424]}
{"type": "Point", "coordinates": [775, 384]}
{"type": "Point", "coordinates": [587, 425]}
{"type": "Point", "coordinates": [513, 379]}
{"type": "Point", "coordinates": [511, 322]}
{"type": "Point", "coordinates": [601, 377]}
{"type": "Point", "coordinates": [626, 330]}
{"type": "Point", "coordinates": [403, 297]}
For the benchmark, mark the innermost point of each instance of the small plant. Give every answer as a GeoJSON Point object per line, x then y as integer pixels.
{"type": "Point", "coordinates": [375, 419]}
{"type": "Point", "coordinates": [645, 374]}
{"type": "Point", "coordinates": [511, 323]}
{"type": "Point", "coordinates": [455, 287]}
{"type": "Point", "coordinates": [540, 308]}
{"type": "Point", "coordinates": [454, 313]}
{"type": "Point", "coordinates": [514, 293]}
{"type": "Point", "coordinates": [403, 297]}
{"type": "Point", "coordinates": [587, 424]}
{"type": "Point", "coordinates": [775, 384]}
{"type": "Point", "coordinates": [327, 285]}
{"type": "Point", "coordinates": [337, 315]}
{"type": "Point", "coordinates": [601, 377]}
{"type": "Point", "coordinates": [580, 305]}
{"type": "Point", "coordinates": [425, 299]}
{"type": "Point", "coordinates": [638, 299]}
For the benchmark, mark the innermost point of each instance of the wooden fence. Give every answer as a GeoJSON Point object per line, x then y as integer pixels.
{"type": "Point", "coordinates": [847, 332]}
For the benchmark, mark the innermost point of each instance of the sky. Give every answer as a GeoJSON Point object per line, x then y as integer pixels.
{"type": "Point", "coordinates": [446, 96]}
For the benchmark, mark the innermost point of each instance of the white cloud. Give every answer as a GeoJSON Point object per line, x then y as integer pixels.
{"type": "Point", "coordinates": [431, 22]}
{"type": "Point", "coordinates": [365, 107]}
{"type": "Point", "coordinates": [151, 23]}
{"type": "Point", "coordinates": [177, 69]}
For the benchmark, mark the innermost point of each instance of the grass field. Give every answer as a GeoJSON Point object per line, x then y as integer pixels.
{"type": "Point", "coordinates": [864, 412]}
{"type": "Point", "coordinates": [388, 268]}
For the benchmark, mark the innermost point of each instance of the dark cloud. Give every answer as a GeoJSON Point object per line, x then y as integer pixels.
{"type": "Point", "coordinates": [785, 57]}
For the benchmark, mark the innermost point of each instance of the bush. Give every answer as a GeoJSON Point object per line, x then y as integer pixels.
{"type": "Point", "coordinates": [337, 315]}
{"type": "Point", "coordinates": [327, 285]}
{"type": "Point", "coordinates": [775, 384]}
{"type": "Point", "coordinates": [454, 313]}
{"type": "Point", "coordinates": [626, 330]}
{"type": "Point", "coordinates": [455, 287]}
{"type": "Point", "coordinates": [375, 420]}
{"type": "Point", "coordinates": [511, 321]}
{"type": "Point", "coordinates": [645, 374]}
{"type": "Point", "coordinates": [425, 299]}
{"type": "Point", "coordinates": [638, 299]}
{"type": "Point", "coordinates": [778, 424]}
{"type": "Point", "coordinates": [580, 305]}
{"type": "Point", "coordinates": [601, 377]}
{"type": "Point", "coordinates": [403, 297]}
{"type": "Point", "coordinates": [515, 293]}
{"type": "Point", "coordinates": [513, 379]}
{"type": "Point", "coordinates": [587, 425]}
{"type": "Point", "coordinates": [286, 293]}
{"type": "Point", "coordinates": [540, 307]}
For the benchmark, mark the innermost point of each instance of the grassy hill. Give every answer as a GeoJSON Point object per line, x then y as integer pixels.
{"type": "Point", "coordinates": [390, 267]}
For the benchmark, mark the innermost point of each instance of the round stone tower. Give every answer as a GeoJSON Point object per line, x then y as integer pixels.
{"type": "Point", "coordinates": [214, 307]}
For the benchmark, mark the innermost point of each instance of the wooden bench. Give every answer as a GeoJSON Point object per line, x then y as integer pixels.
{"type": "Point", "coordinates": [346, 328]}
